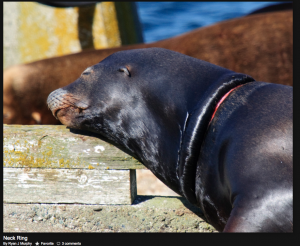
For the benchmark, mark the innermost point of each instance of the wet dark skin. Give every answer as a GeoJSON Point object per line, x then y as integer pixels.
{"type": "Point", "coordinates": [157, 105]}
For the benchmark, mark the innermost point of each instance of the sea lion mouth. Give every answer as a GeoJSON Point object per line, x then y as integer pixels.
{"type": "Point", "coordinates": [60, 102]}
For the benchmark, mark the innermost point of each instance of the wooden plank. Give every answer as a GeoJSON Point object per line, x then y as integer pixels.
{"type": "Point", "coordinates": [37, 185]}
{"type": "Point", "coordinates": [49, 146]}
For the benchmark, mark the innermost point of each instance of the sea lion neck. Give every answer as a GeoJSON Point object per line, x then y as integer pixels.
{"type": "Point", "coordinates": [172, 147]}
{"type": "Point", "coordinates": [196, 125]}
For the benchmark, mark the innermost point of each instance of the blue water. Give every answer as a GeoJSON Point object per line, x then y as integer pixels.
{"type": "Point", "coordinates": [162, 20]}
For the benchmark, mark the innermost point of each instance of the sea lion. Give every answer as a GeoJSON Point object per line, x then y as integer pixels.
{"type": "Point", "coordinates": [260, 45]}
{"type": "Point", "coordinates": [273, 8]}
{"type": "Point", "coordinates": [219, 138]}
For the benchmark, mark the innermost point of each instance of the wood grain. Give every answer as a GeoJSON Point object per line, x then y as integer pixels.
{"type": "Point", "coordinates": [36, 185]}
{"type": "Point", "coordinates": [49, 146]}
{"type": "Point", "coordinates": [51, 164]}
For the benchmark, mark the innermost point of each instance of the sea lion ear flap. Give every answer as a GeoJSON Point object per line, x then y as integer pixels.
{"type": "Point", "coordinates": [125, 70]}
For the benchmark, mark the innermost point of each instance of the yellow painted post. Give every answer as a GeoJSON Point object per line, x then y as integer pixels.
{"type": "Point", "coordinates": [34, 31]}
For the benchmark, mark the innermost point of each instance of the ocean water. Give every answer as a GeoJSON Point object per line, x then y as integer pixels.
{"type": "Point", "coordinates": [161, 20]}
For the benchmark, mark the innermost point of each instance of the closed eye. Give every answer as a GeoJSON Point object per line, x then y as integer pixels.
{"type": "Point", "coordinates": [124, 70]}
{"type": "Point", "coordinates": [87, 71]}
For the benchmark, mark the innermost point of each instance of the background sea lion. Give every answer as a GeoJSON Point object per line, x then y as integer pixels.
{"type": "Point", "coordinates": [216, 137]}
{"type": "Point", "coordinates": [273, 7]}
{"type": "Point", "coordinates": [260, 45]}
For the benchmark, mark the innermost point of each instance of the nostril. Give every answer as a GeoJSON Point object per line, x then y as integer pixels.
{"type": "Point", "coordinates": [64, 104]}
{"type": "Point", "coordinates": [55, 113]}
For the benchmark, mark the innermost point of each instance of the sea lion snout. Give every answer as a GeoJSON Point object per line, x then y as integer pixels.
{"type": "Point", "coordinates": [65, 106]}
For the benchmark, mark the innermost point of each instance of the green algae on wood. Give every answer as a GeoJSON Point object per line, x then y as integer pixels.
{"type": "Point", "coordinates": [49, 146]}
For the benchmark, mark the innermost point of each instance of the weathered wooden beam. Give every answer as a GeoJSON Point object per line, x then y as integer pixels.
{"type": "Point", "coordinates": [76, 186]}
{"type": "Point", "coordinates": [49, 146]}
{"type": "Point", "coordinates": [50, 164]}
